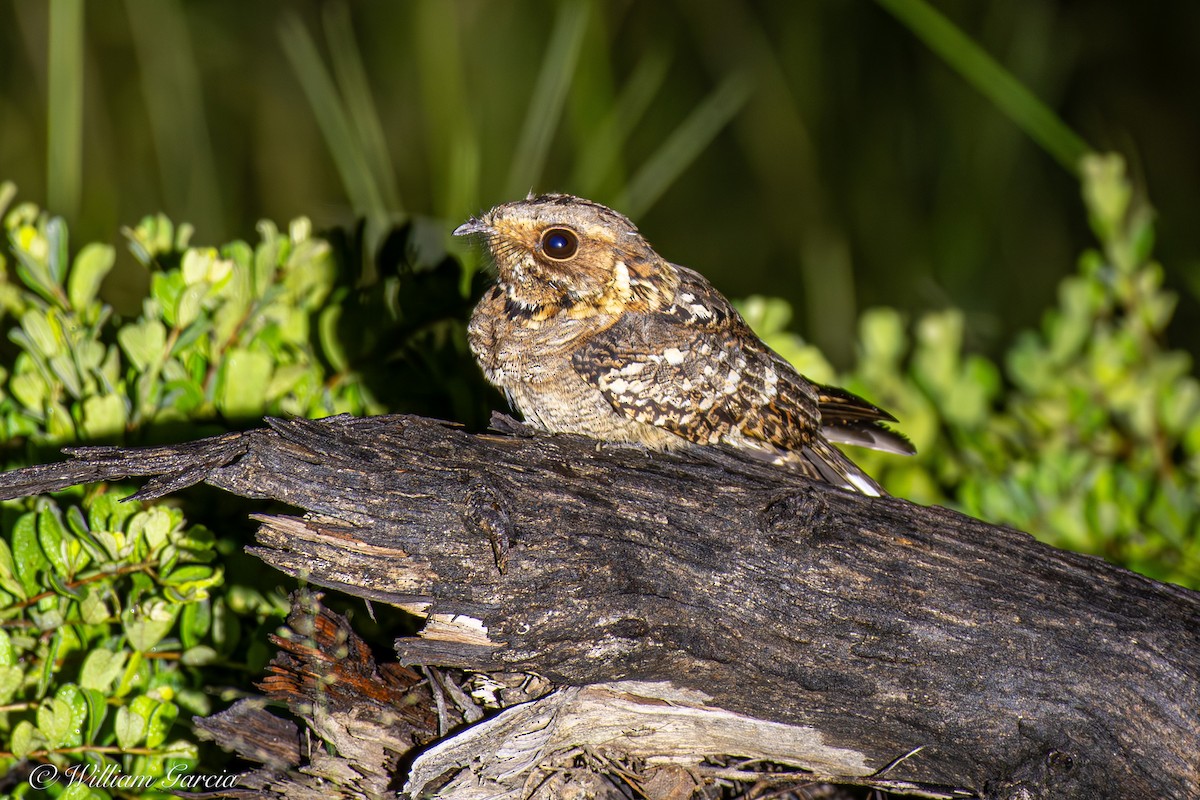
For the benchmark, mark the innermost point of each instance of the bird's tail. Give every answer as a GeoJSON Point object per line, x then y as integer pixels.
{"type": "Point", "coordinates": [823, 461]}
{"type": "Point", "coordinates": [818, 460]}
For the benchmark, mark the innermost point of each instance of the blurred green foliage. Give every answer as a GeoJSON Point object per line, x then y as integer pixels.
{"type": "Point", "coordinates": [758, 130]}
{"type": "Point", "coordinates": [1086, 433]}
{"type": "Point", "coordinates": [828, 158]}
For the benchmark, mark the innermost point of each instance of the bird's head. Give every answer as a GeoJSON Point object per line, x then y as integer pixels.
{"type": "Point", "coordinates": [557, 252]}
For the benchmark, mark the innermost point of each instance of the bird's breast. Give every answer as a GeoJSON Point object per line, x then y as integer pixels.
{"type": "Point", "coordinates": [518, 347]}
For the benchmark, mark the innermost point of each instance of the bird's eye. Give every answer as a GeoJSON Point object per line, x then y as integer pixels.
{"type": "Point", "coordinates": [560, 244]}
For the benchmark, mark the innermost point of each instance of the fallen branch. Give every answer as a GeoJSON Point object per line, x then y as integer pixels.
{"type": "Point", "coordinates": [690, 612]}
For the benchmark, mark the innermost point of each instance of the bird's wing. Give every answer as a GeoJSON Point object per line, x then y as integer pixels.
{"type": "Point", "coordinates": [696, 369]}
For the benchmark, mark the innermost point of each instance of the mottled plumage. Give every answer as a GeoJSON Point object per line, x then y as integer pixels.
{"type": "Point", "coordinates": [590, 331]}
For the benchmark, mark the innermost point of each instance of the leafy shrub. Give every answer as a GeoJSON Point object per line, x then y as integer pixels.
{"type": "Point", "coordinates": [114, 616]}
{"type": "Point", "coordinates": [1086, 435]}
{"type": "Point", "coordinates": [103, 616]}
{"type": "Point", "coordinates": [224, 334]}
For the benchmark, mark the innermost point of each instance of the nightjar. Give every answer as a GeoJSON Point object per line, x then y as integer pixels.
{"type": "Point", "coordinates": [589, 331]}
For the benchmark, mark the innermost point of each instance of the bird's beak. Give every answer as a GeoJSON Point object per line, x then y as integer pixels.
{"type": "Point", "coordinates": [471, 227]}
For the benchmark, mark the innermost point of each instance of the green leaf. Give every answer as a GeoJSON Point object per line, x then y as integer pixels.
{"type": "Point", "coordinates": [56, 238]}
{"type": "Point", "coordinates": [245, 375]}
{"type": "Point", "coordinates": [41, 332]}
{"type": "Point", "coordinates": [135, 674]}
{"type": "Point", "coordinates": [331, 344]}
{"type": "Point", "coordinates": [76, 522]}
{"type": "Point", "coordinates": [97, 711]}
{"type": "Point", "coordinates": [336, 124]}
{"type": "Point", "coordinates": [27, 553]}
{"type": "Point", "coordinates": [8, 190]}
{"type": "Point", "coordinates": [60, 585]}
{"type": "Point", "coordinates": [190, 304]}
{"type": "Point", "coordinates": [91, 266]}
{"type": "Point", "coordinates": [190, 573]}
{"type": "Point", "coordinates": [194, 702]}
{"type": "Point", "coordinates": [143, 343]}
{"type": "Point", "coordinates": [63, 367]}
{"type": "Point", "coordinates": [92, 609]}
{"type": "Point", "coordinates": [104, 416]}
{"type": "Point", "coordinates": [1106, 192]}
{"type": "Point", "coordinates": [147, 623]}
{"type": "Point", "coordinates": [12, 678]}
{"type": "Point", "coordinates": [23, 740]}
{"type": "Point", "coordinates": [548, 96]}
{"type": "Point", "coordinates": [883, 335]}
{"type": "Point", "coordinates": [73, 697]}
{"type": "Point", "coordinates": [54, 719]}
{"type": "Point", "coordinates": [101, 668]}
{"type": "Point", "coordinates": [166, 287]}
{"type": "Point", "coordinates": [159, 724]}
{"type": "Point", "coordinates": [108, 513]}
{"type": "Point", "coordinates": [59, 425]}
{"type": "Point", "coordinates": [194, 623]}
{"type": "Point", "coordinates": [50, 536]}
{"type": "Point", "coordinates": [153, 525]}
{"type": "Point", "coordinates": [49, 659]}
{"type": "Point", "coordinates": [198, 656]}
{"type": "Point", "coordinates": [130, 726]}
{"type": "Point", "coordinates": [8, 575]}
{"type": "Point", "coordinates": [30, 389]}
{"type": "Point", "coordinates": [192, 582]}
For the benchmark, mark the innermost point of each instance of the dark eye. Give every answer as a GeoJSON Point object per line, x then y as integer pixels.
{"type": "Point", "coordinates": [560, 243]}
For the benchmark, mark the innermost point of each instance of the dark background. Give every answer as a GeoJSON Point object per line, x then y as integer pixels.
{"type": "Point", "coordinates": [860, 169]}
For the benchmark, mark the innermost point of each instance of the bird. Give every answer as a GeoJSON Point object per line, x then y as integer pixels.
{"type": "Point", "coordinates": [588, 330]}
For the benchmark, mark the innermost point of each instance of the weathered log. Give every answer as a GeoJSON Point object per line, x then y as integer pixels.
{"type": "Point", "coordinates": [691, 609]}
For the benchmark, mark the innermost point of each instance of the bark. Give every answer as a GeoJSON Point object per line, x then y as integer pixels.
{"type": "Point", "coordinates": [695, 619]}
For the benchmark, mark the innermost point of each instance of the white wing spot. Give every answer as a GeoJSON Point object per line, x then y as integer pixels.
{"type": "Point", "coordinates": [621, 277]}
{"type": "Point", "coordinates": [674, 356]}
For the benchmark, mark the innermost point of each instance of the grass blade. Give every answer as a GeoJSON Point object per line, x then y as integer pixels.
{"type": "Point", "coordinates": [991, 80]}
{"type": "Point", "coordinates": [360, 105]}
{"type": "Point", "coordinates": [688, 141]}
{"type": "Point", "coordinates": [171, 88]}
{"type": "Point", "coordinates": [549, 95]}
{"type": "Point", "coordinates": [600, 154]}
{"type": "Point", "coordinates": [449, 125]}
{"type": "Point", "coordinates": [345, 148]}
{"type": "Point", "coordinates": [64, 140]}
